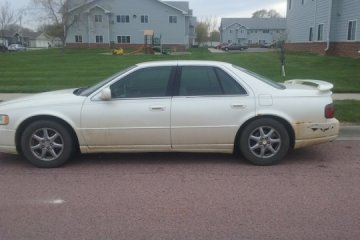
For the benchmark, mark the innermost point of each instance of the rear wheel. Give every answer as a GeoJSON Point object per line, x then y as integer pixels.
{"type": "Point", "coordinates": [47, 144]}
{"type": "Point", "coordinates": [264, 142]}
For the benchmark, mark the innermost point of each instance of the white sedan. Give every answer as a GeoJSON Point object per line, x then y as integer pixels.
{"type": "Point", "coordinates": [183, 106]}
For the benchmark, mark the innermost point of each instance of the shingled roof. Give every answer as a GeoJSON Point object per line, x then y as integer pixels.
{"type": "Point", "coordinates": [255, 23]}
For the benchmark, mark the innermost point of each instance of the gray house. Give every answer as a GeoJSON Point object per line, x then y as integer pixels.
{"type": "Point", "coordinates": [252, 31]}
{"type": "Point", "coordinates": [123, 23]}
{"type": "Point", "coordinates": [324, 26]}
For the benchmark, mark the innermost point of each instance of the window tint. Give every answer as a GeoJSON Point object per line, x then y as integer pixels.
{"type": "Point", "coordinates": [229, 85]}
{"type": "Point", "coordinates": [197, 80]}
{"type": "Point", "coordinates": [148, 82]}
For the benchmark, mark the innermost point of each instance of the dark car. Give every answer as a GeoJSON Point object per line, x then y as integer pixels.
{"type": "Point", "coordinates": [234, 46]}
{"type": "Point", "coordinates": [3, 48]}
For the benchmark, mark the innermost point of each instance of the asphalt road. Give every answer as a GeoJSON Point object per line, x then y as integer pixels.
{"type": "Point", "coordinates": [313, 194]}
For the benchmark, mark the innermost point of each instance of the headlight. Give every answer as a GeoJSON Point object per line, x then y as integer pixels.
{"type": "Point", "coordinates": [4, 119]}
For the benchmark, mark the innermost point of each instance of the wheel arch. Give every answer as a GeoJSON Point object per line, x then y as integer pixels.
{"type": "Point", "coordinates": [283, 121]}
{"type": "Point", "coordinates": [32, 119]}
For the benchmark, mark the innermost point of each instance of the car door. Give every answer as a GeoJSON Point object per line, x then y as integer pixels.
{"type": "Point", "coordinates": [208, 110]}
{"type": "Point", "coordinates": [137, 117]}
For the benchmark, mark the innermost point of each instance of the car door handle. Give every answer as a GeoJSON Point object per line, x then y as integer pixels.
{"type": "Point", "coordinates": [157, 108]}
{"type": "Point", "coordinates": [238, 105]}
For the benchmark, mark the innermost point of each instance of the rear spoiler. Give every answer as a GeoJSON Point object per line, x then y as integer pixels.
{"type": "Point", "coordinates": [322, 86]}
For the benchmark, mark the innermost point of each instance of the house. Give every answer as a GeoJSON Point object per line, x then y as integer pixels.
{"type": "Point", "coordinates": [43, 40]}
{"type": "Point", "coordinates": [252, 31]}
{"type": "Point", "coordinates": [123, 23]}
{"type": "Point", "coordinates": [324, 26]}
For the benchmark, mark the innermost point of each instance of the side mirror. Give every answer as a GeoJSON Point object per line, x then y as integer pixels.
{"type": "Point", "coordinates": [105, 94]}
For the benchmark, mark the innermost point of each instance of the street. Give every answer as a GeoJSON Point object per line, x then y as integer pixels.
{"type": "Point", "coordinates": [313, 194]}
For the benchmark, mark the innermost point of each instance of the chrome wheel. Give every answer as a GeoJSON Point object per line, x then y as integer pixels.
{"type": "Point", "coordinates": [264, 142]}
{"type": "Point", "coordinates": [46, 144]}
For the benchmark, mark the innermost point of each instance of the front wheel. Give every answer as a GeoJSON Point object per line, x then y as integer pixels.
{"type": "Point", "coordinates": [47, 144]}
{"type": "Point", "coordinates": [264, 142]}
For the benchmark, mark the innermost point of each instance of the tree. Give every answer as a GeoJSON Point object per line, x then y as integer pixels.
{"type": "Point", "coordinates": [260, 14]}
{"type": "Point", "coordinates": [263, 13]}
{"type": "Point", "coordinates": [57, 12]}
{"type": "Point", "coordinates": [215, 36]}
{"type": "Point", "coordinates": [7, 17]}
{"type": "Point", "coordinates": [202, 34]}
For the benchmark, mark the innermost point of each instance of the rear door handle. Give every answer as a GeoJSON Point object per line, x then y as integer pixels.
{"type": "Point", "coordinates": [157, 108]}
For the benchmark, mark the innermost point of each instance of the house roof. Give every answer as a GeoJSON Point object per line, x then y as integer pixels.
{"type": "Point", "coordinates": [255, 23]}
{"type": "Point", "coordinates": [181, 6]}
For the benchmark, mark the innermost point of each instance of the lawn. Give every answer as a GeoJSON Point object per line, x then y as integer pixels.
{"type": "Point", "coordinates": [43, 70]}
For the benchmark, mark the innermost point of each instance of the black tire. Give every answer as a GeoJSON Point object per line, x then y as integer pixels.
{"type": "Point", "coordinates": [264, 142]}
{"type": "Point", "coordinates": [47, 144]}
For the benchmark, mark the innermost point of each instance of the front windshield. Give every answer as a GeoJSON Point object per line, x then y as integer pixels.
{"type": "Point", "coordinates": [261, 78]}
{"type": "Point", "coordinates": [90, 90]}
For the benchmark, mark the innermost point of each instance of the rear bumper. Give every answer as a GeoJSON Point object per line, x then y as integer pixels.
{"type": "Point", "coordinates": [307, 134]}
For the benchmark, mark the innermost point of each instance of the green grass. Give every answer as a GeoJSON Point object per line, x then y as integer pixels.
{"type": "Point", "coordinates": [348, 111]}
{"type": "Point", "coordinates": [43, 70]}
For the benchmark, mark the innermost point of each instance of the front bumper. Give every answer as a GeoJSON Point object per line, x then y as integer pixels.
{"type": "Point", "coordinates": [7, 141]}
{"type": "Point", "coordinates": [307, 134]}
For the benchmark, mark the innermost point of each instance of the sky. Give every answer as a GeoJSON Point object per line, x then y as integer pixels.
{"type": "Point", "coordinates": [202, 8]}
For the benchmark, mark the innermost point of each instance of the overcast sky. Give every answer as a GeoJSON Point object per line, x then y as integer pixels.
{"type": "Point", "coordinates": [202, 8]}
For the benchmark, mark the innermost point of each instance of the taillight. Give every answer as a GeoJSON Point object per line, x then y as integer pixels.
{"type": "Point", "coordinates": [329, 110]}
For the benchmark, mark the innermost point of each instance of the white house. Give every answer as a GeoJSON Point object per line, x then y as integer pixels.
{"type": "Point", "coordinates": [42, 40]}
{"type": "Point", "coordinates": [324, 26]}
{"type": "Point", "coordinates": [105, 23]}
{"type": "Point", "coordinates": [252, 31]}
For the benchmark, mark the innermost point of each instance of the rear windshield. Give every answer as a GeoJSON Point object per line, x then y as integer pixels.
{"type": "Point", "coordinates": [261, 78]}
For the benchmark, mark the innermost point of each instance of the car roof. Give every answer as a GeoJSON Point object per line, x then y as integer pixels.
{"type": "Point", "coordinates": [184, 63]}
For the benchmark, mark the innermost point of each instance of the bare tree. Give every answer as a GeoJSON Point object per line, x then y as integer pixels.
{"type": "Point", "coordinates": [7, 17]}
{"type": "Point", "coordinates": [57, 12]}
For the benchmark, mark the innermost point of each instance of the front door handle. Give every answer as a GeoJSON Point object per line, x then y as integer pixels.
{"type": "Point", "coordinates": [238, 105]}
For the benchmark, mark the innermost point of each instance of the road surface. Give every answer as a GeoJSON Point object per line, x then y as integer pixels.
{"type": "Point", "coordinates": [313, 194]}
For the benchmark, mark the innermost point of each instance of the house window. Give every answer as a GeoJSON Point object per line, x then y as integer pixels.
{"type": "Point", "coordinates": [320, 32]}
{"type": "Point", "coordinates": [302, 2]}
{"type": "Point", "coordinates": [144, 19]}
{"type": "Point", "coordinates": [172, 19]}
{"type": "Point", "coordinates": [230, 31]}
{"type": "Point", "coordinates": [290, 2]}
{"type": "Point", "coordinates": [123, 39]}
{"type": "Point", "coordinates": [99, 39]}
{"type": "Point", "coordinates": [123, 18]}
{"type": "Point", "coordinates": [78, 38]}
{"type": "Point", "coordinates": [351, 30]}
{"type": "Point", "coordinates": [311, 34]}
{"type": "Point", "coordinates": [98, 18]}
{"type": "Point", "coordinates": [76, 18]}
{"type": "Point", "coordinates": [266, 31]}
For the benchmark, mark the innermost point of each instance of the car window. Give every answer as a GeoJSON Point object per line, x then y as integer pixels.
{"type": "Point", "coordinates": [198, 80]}
{"type": "Point", "coordinates": [147, 82]}
{"type": "Point", "coordinates": [229, 85]}
{"type": "Point", "coordinates": [202, 80]}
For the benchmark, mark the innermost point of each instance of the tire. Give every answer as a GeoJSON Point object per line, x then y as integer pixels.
{"type": "Point", "coordinates": [47, 144]}
{"type": "Point", "coordinates": [264, 142]}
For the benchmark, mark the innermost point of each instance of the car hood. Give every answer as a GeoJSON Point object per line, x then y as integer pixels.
{"type": "Point", "coordinates": [43, 99]}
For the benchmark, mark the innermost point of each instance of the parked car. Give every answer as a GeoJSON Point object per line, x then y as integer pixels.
{"type": "Point", "coordinates": [185, 106]}
{"type": "Point", "coordinates": [16, 48]}
{"type": "Point", "coordinates": [221, 45]}
{"type": "Point", "coordinates": [266, 45]}
{"type": "Point", "coordinates": [3, 48]}
{"type": "Point", "coordinates": [234, 46]}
